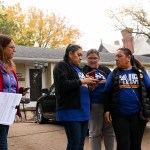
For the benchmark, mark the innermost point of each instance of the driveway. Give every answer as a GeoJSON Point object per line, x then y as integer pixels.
{"type": "Point", "coordinates": [33, 136]}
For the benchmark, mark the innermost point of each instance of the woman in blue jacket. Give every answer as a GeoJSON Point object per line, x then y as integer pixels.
{"type": "Point", "coordinates": [72, 97]}
{"type": "Point", "coordinates": [127, 93]}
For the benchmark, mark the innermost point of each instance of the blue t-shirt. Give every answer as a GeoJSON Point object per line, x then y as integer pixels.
{"type": "Point", "coordinates": [96, 95]}
{"type": "Point", "coordinates": [127, 100]}
{"type": "Point", "coordinates": [81, 114]}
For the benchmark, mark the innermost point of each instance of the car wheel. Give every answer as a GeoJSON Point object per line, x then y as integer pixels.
{"type": "Point", "coordinates": [39, 114]}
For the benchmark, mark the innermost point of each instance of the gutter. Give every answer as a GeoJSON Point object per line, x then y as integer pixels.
{"type": "Point", "coordinates": [57, 60]}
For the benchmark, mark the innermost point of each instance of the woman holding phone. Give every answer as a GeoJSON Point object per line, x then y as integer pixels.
{"type": "Point", "coordinates": [8, 80]}
{"type": "Point", "coordinates": [98, 127]}
{"type": "Point", "coordinates": [72, 97]}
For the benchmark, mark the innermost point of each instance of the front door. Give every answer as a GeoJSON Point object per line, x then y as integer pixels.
{"type": "Point", "coordinates": [35, 83]}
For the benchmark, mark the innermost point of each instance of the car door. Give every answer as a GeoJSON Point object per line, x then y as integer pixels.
{"type": "Point", "coordinates": [49, 102]}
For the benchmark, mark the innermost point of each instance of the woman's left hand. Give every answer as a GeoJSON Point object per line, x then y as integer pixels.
{"type": "Point", "coordinates": [107, 116]}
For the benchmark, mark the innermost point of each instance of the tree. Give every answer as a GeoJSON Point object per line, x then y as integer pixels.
{"type": "Point", "coordinates": [135, 17]}
{"type": "Point", "coordinates": [6, 26]}
{"type": "Point", "coordinates": [46, 30]}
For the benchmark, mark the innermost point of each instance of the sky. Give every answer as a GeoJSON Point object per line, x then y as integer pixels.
{"type": "Point", "coordinates": [89, 16]}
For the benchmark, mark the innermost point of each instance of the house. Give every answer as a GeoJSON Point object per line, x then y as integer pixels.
{"type": "Point", "coordinates": [35, 66]}
{"type": "Point", "coordinates": [139, 45]}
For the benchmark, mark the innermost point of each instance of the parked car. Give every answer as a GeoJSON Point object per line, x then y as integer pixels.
{"type": "Point", "coordinates": [46, 106]}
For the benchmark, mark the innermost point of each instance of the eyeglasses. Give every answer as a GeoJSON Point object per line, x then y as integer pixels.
{"type": "Point", "coordinates": [93, 58]}
{"type": "Point", "coordinates": [12, 47]}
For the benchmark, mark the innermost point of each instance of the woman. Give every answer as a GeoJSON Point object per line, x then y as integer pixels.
{"type": "Point", "coordinates": [8, 80]}
{"type": "Point", "coordinates": [72, 97]}
{"type": "Point", "coordinates": [127, 89]}
{"type": "Point", "coordinates": [98, 128]}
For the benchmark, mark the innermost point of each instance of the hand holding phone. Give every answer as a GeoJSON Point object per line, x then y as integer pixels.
{"type": "Point", "coordinates": [91, 74]}
{"type": "Point", "coordinates": [26, 89]}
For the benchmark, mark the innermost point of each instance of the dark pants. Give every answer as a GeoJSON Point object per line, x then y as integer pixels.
{"type": "Point", "coordinates": [76, 133]}
{"type": "Point", "coordinates": [129, 131]}
{"type": "Point", "coordinates": [3, 137]}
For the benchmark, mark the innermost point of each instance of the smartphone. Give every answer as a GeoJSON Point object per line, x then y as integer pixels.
{"type": "Point", "coordinates": [92, 73]}
{"type": "Point", "coordinates": [26, 89]}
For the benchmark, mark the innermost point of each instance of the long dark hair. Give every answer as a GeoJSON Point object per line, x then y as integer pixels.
{"type": "Point", "coordinates": [134, 62]}
{"type": "Point", "coordinates": [70, 48]}
{"type": "Point", "coordinates": [4, 41]}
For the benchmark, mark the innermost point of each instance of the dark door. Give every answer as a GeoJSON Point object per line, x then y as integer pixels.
{"type": "Point", "coordinates": [35, 83]}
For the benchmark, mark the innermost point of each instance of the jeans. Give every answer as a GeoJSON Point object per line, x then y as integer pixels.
{"type": "Point", "coordinates": [100, 129]}
{"type": "Point", "coordinates": [129, 131]}
{"type": "Point", "coordinates": [76, 132]}
{"type": "Point", "coordinates": [3, 137]}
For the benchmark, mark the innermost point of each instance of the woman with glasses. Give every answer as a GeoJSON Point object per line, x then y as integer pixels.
{"type": "Point", "coordinates": [127, 93]}
{"type": "Point", "coordinates": [8, 80]}
{"type": "Point", "coordinates": [72, 97]}
{"type": "Point", "coordinates": [99, 129]}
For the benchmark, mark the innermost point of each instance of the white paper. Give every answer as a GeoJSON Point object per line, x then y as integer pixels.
{"type": "Point", "coordinates": [8, 103]}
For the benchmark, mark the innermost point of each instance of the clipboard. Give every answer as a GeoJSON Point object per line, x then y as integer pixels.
{"type": "Point", "coordinates": [8, 103]}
